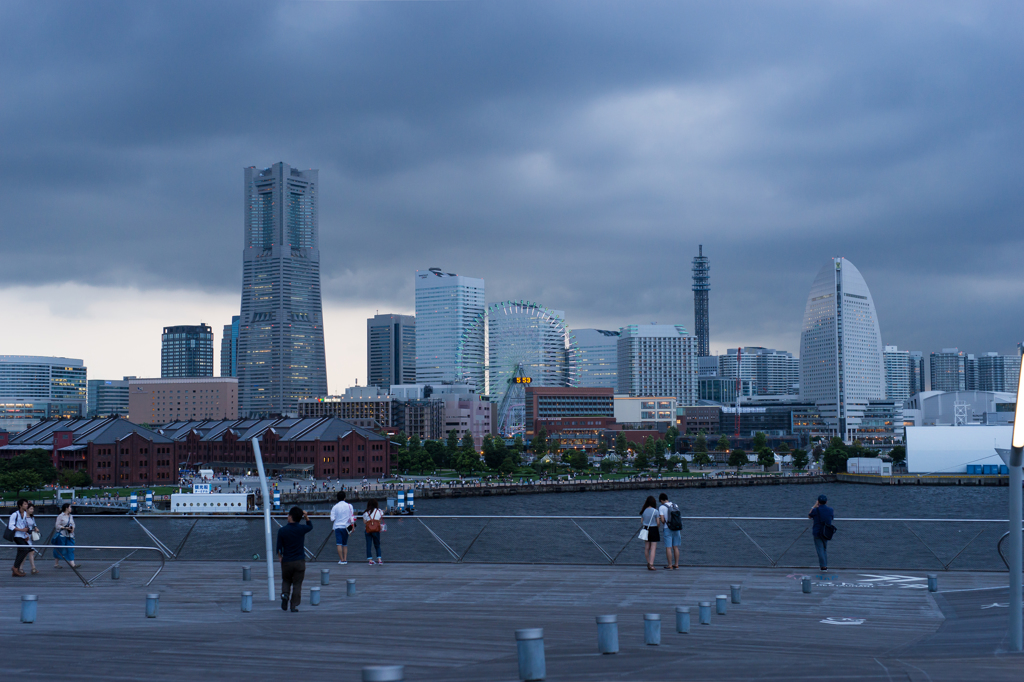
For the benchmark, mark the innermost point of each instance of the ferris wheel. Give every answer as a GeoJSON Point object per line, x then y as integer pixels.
{"type": "Point", "coordinates": [511, 345]}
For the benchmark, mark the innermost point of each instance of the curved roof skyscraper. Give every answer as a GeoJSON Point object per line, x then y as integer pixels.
{"type": "Point", "coordinates": [841, 361]}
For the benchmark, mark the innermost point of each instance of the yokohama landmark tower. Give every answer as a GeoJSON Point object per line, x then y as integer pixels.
{"type": "Point", "coordinates": [281, 333]}
{"type": "Point", "coordinates": [701, 287]}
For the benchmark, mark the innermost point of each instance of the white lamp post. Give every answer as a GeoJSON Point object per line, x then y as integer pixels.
{"type": "Point", "coordinates": [1016, 540]}
{"type": "Point", "coordinates": [266, 516]}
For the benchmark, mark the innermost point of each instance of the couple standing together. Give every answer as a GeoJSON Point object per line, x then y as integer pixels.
{"type": "Point", "coordinates": [661, 518]}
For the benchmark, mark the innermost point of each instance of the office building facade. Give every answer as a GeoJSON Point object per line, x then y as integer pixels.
{"type": "Point", "coordinates": [842, 363]}
{"type": "Point", "coordinates": [390, 350]}
{"type": "Point", "coordinates": [998, 372]}
{"type": "Point", "coordinates": [280, 333]}
{"type": "Point", "coordinates": [918, 375]}
{"type": "Point", "coordinates": [161, 401]}
{"type": "Point", "coordinates": [108, 398]}
{"type": "Point", "coordinates": [447, 305]}
{"type": "Point", "coordinates": [229, 348]}
{"type": "Point", "coordinates": [186, 350]}
{"type": "Point", "coordinates": [657, 360]}
{"type": "Point", "coordinates": [33, 388]}
{"type": "Point", "coordinates": [598, 361]}
{"type": "Point", "coordinates": [898, 373]}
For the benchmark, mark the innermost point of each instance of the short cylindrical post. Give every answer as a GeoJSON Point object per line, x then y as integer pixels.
{"type": "Point", "coordinates": [530, 647]}
{"type": "Point", "coordinates": [350, 587]}
{"type": "Point", "coordinates": [28, 608]}
{"type": "Point", "coordinates": [314, 596]}
{"type": "Point", "coordinates": [705, 613]}
{"type": "Point", "coordinates": [933, 582]}
{"type": "Point", "coordinates": [152, 605]}
{"type": "Point", "coordinates": [115, 573]}
{"type": "Point", "coordinates": [652, 629]}
{"type": "Point", "coordinates": [608, 634]}
{"type": "Point", "coordinates": [806, 585]}
{"type": "Point", "coordinates": [325, 576]}
{"type": "Point", "coordinates": [721, 604]}
{"type": "Point", "coordinates": [683, 619]}
{"type": "Point", "coordinates": [384, 673]}
{"type": "Point", "coordinates": [246, 573]}
{"type": "Point", "coordinates": [735, 590]}
{"type": "Point", "coordinates": [246, 602]}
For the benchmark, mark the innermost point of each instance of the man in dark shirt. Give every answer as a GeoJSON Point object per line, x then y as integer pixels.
{"type": "Point", "coordinates": [823, 515]}
{"type": "Point", "coordinates": [291, 552]}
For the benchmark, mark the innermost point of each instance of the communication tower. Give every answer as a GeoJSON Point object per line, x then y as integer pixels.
{"type": "Point", "coordinates": [701, 287]}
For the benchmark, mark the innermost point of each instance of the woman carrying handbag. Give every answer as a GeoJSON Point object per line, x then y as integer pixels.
{"type": "Point", "coordinates": [372, 527]}
{"type": "Point", "coordinates": [649, 533]}
{"type": "Point", "coordinates": [64, 535]}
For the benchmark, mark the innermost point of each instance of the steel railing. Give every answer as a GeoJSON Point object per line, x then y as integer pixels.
{"type": "Point", "coordinates": [88, 582]}
{"type": "Point", "coordinates": [740, 541]}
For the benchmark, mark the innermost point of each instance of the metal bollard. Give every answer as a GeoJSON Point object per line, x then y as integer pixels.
{"type": "Point", "coordinates": [115, 573]}
{"type": "Point", "coordinates": [350, 587]}
{"type": "Point", "coordinates": [721, 603]}
{"type": "Point", "coordinates": [325, 576]}
{"type": "Point", "coordinates": [246, 573]}
{"type": "Point", "coordinates": [152, 605]}
{"type": "Point", "coordinates": [652, 629]}
{"type": "Point", "coordinates": [384, 673]}
{"type": "Point", "coordinates": [28, 608]}
{"type": "Point", "coordinates": [246, 602]}
{"type": "Point", "coordinates": [933, 582]}
{"type": "Point", "coordinates": [735, 590]}
{"type": "Point", "coordinates": [608, 634]}
{"type": "Point", "coordinates": [683, 619]}
{"type": "Point", "coordinates": [705, 613]}
{"type": "Point", "coordinates": [530, 647]}
{"type": "Point", "coordinates": [806, 585]}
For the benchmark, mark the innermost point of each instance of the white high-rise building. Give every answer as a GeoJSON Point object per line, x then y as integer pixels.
{"type": "Point", "coordinates": [34, 388]}
{"type": "Point", "coordinates": [447, 305]}
{"type": "Point", "coordinates": [842, 366]}
{"type": "Point", "coordinates": [898, 374]}
{"type": "Point", "coordinates": [658, 360]}
{"type": "Point", "coordinates": [598, 358]}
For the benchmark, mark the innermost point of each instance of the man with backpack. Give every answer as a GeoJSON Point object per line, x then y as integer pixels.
{"type": "Point", "coordinates": [822, 532]}
{"type": "Point", "coordinates": [672, 519]}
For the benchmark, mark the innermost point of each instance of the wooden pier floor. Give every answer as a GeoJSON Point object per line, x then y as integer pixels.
{"type": "Point", "coordinates": [456, 622]}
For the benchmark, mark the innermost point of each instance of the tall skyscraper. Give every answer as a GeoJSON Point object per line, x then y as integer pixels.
{"type": "Point", "coordinates": [842, 366]}
{"type": "Point", "coordinates": [390, 350]}
{"type": "Point", "coordinates": [186, 350]}
{"type": "Point", "coordinates": [899, 375]}
{"type": "Point", "coordinates": [598, 358]}
{"type": "Point", "coordinates": [658, 360]}
{"type": "Point", "coordinates": [229, 348]}
{"type": "Point", "coordinates": [948, 370]}
{"type": "Point", "coordinates": [447, 305]}
{"type": "Point", "coordinates": [281, 332]}
{"type": "Point", "coordinates": [998, 372]}
{"type": "Point", "coordinates": [701, 287]}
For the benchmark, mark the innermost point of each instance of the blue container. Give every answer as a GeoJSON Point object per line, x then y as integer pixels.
{"type": "Point", "coordinates": [991, 469]}
{"type": "Point", "coordinates": [1004, 470]}
{"type": "Point", "coordinates": [973, 469]}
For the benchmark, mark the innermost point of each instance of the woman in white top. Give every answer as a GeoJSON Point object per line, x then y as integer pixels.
{"type": "Point", "coordinates": [64, 534]}
{"type": "Point", "coordinates": [372, 527]}
{"type": "Point", "coordinates": [33, 530]}
{"type": "Point", "coordinates": [18, 522]}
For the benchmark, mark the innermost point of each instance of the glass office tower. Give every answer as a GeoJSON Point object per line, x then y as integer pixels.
{"type": "Point", "coordinates": [186, 350]}
{"type": "Point", "coordinates": [447, 305]}
{"type": "Point", "coordinates": [281, 333]}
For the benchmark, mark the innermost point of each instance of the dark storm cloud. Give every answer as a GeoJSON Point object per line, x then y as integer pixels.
{"type": "Point", "coordinates": [569, 153]}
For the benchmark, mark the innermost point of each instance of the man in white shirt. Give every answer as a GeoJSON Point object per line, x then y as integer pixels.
{"type": "Point", "coordinates": [343, 519]}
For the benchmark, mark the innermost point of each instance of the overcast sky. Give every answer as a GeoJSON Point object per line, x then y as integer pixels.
{"type": "Point", "coordinates": [570, 153]}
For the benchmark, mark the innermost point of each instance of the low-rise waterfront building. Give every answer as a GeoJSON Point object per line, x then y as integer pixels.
{"type": "Point", "coordinates": [108, 397]}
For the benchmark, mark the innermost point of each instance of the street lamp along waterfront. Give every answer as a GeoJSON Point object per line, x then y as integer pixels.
{"type": "Point", "coordinates": [1014, 459]}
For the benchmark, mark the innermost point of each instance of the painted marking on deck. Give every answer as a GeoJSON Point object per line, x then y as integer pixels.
{"type": "Point", "coordinates": [843, 621]}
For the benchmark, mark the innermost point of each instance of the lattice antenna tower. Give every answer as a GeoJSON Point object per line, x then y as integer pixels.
{"type": "Point", "coordinates": [960, 413]}
{"type": "Point", "coordinates": [701, 287]}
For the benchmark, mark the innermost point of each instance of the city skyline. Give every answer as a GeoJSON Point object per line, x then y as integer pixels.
{"type": "Point", "coordinates": [584, 175]}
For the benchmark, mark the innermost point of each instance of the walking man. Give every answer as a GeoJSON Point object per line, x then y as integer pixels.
{"type": "Point", "coordinates": [823, 515]}
{"type": "Point", "coordinates": [343, 518]}
{"type": "Point", "coordinates": [671, 519]}
{"type": "Point", "coordinates": [291, 552]}
{"type": "Point", "coordinates": [19, 523]}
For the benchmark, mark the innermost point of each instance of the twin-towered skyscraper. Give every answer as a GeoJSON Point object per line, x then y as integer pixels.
{"type": "Point", "coordinates": [281, 330]}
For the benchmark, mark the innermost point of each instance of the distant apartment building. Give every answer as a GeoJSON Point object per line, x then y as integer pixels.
{"type": "Point", "coordinates": [447, 305]}
{"type": "Point", "coordinates": [465, 412]}
{"type": "Point", "coordinates": [948, 370]}
{"type": "Point", "coordinates": [597, 360]}
{"type": "Point", "coordinates": [108, 397]}
{"type": "Point", "coordinates": [998, 372]}
{"type": "Point", "coordinates": [368, 407]}
{"type": "Point", "coordinates": [771, 372]}
{"type": "Point", "coordinates": [390, 350]}
{"type": "Point", "coordinates": [723, 390]}
{"type": "Point", "coordinates": [657, 360]}
{"type": "Point", "coordinates": [918, 376]}
{"type": "Point", "coordinates": [229, 348]}
{"type": "Point", "coordinates": [186, 350]}
{"type": "Point", "coordinates": [971, 376]}
{"type": "Point", "coordinates": [898, 373]}
{"type": "Point", "coordinates": [33, 388]}
{"type": "Point", "coordinates": [165, 400]}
